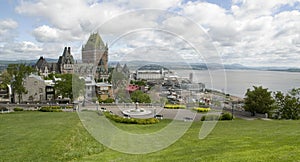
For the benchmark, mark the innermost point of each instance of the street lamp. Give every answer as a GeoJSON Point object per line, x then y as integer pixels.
{"type": "Point", "coordinates": [232, 105]}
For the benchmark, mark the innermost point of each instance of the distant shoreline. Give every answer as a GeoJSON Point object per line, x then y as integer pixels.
{"type": "Point", "coordinates": [170, 65]}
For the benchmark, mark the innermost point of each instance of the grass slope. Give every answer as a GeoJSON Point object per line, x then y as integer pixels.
{"type": "Point", "coordinates": [37, 136]}
{"type": "Point", "coordinates": [42, 136]}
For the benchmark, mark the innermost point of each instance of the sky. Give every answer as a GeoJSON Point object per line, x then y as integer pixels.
{"type": "Point", "coordinates": [247, 32]}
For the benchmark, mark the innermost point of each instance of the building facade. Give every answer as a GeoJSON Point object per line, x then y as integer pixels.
{"type": "Point", "coordinates": [64, 65]}
{"type": "Point", "coordinates": [151, 72]}
{"type": "Point", "coordinates": [35, 87]}
{"type": "Point", "coordinates": [104, 90]}
{"type": "Point", "coordinates": [96, 52]}
{"type": "Point", "coordinates": [66, 62]}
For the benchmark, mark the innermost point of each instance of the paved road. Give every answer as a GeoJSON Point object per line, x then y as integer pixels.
{"type": "Point", "coordinates": [178, 114]}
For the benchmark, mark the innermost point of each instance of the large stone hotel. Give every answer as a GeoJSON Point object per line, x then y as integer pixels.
{"type": "Point", "coordinates": [94, 60]}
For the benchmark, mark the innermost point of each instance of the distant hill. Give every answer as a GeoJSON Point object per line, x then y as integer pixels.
{"type": "Point", "coordinates": [201, 66]}
{"type": "Point", "coordinates": [170, 65]}
{"type": "Point", "coordinates": [5, 63]}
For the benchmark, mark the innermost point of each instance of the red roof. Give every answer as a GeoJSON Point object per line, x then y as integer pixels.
{"type": "Point", "coordinates": [132, 88]}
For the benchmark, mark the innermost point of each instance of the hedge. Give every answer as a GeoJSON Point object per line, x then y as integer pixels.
{"type": "Point", "coordinates": [69, 107]}
{"type": "Point", "coordinates": [18, 109]}
{"type": "Point", "coordinates": [119, 119]}
{"type": "Point", "coordinates": [51, 109]}
{"type": "Point", "coordinates": [225, 116]}
{"type": "Point", "coordinates": [202, 109]}
{"type": "Point", "coordinates": [210, 117]}
{"type": "Point", "coordinates": [170, 106]}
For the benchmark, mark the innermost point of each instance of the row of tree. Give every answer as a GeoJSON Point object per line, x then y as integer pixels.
{"type": "Point", "coordinates": [277, 104]}
{"type": "Point", "coordinates": [70, 86]}
{"type": "Point", "coordinates": [14, 76]}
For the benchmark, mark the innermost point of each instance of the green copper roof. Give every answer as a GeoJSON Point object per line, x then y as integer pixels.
{"type": "Point", "coordinates": [94, 42]}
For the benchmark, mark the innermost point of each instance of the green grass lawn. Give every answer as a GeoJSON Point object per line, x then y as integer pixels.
{"type": "Point", "coordinates": [38, 136]}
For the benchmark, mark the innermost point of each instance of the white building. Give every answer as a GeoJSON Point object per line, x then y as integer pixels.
{"type": "Point", "coordinates": [151, 72]}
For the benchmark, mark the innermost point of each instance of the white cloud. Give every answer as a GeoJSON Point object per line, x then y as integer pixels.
{"type": "Point", "coordinates": [8, 24]}
{"type": "Point", "coordinates": [20, 50]}
{"type": "Point", "coordinates": [46, 34]}
{"type": "Point", "coordinates": [154, 4]}
{"type": "Point", "coordinates": [7, 30]}
{"type": "Point", "coordinates": [251, 32]}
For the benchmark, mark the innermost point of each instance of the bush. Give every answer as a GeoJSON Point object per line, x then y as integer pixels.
{"type": "Point", "coordinates": [18, 109]}
{"type": "Point", "coordinates": [119, 119]}
{"type": "Point", "coordinates": [210, 117]}
{"type": "Point", "coordinates": [51, 109]}
{"type": "Point", "coordinates": [170, 106]}
{"type": "Point", "coordinates": [69, 107]}
{"type": "Point", "coordinates": [226, 116]}
{"type": "Point", "coordinates": [202, 109]}
{"type": "Point", "coordinates": [108, 100]}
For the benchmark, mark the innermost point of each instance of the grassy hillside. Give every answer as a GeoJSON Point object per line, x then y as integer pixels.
{"type": "Point", "coordinates": [41, 136]}
{"type": "Point", "coordinates": [37, 136]}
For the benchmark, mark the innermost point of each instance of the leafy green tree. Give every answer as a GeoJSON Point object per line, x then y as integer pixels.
{"type": "Point", "coordinates": [258, 100]}
{"type": "Point", "coordinates": [287, 106]}
{"type": "Point", "coordinates": [138, 82]}
{"type": "Point", "coordinates": [6, 77]}
{"type": "Point", "coordinates": [15, 75]}
{"type": "Point", "coordinates": [108, 100]}
{"type": "Point", "coordinates": [141, 97]}
{"type": "Point", "coordinates": [70, 86]}
{"type": "Point", "coordinates": [295, 92]}
{"type": "Point", "coordinates": [50, 76]}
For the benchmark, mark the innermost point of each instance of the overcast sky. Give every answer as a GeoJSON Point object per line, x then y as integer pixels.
{"type": "Point", "coordinates": [248, 32]}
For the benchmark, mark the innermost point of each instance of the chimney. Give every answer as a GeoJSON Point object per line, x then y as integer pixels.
{"type": "Point", "coordinates": [69, 50]}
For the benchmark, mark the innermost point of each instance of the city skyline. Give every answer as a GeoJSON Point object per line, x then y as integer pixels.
{"type": "Point", "coordinates": [247, 32]}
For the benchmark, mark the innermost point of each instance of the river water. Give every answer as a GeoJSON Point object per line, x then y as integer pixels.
{"type": "Point", "coordinates": [236, 82]}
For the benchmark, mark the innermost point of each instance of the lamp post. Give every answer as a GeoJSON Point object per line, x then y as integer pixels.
{"type": "Point", "coordinates": [97, 103]}
{"type": "Point", "coordinates": [232, 105]}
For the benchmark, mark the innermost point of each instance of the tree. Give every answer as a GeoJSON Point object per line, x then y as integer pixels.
{"type": "Point", "coordinates": [70, 86]}
{"type": "Point", "coordinates": [258, 100]}
{"type": "Point", "coordinates": [6, 78]}
{"type": "Point", "coordinates": [15, 75]}
{"type": "Point", "coordinates": [139, 96]}
{"type": "Point", "coordinates": [287, 106]}
{"type": "Point", "coordinates": [108, 100]}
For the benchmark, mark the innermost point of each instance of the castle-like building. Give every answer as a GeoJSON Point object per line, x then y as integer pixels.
{"type": "Point", "coordinates": [95, 52]}
{"type": "Point", "coordinates": [94, 60]}
{"type": "Point", "coordinates": [65, 64]}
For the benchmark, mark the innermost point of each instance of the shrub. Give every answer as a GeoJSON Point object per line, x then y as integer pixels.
{"type": "Point", "coordinates": [51, 109]}
{"type": "Point", "coordinates": [202, 109]}
{"type": "Point", "coordinates": [119, 119]}
{"type": "Point", "coordinates": [69, 107]}
{"type": "Point", "coordinates": [226, 116]}
{"type": "Point", "coordinates": [108, 100]}
{"type": "Point", "coordinates": [18, 109]}
{"type": "Point", "coordinates": [210, 117]}
{"type": "Point", "coordinates": [171, 106]}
